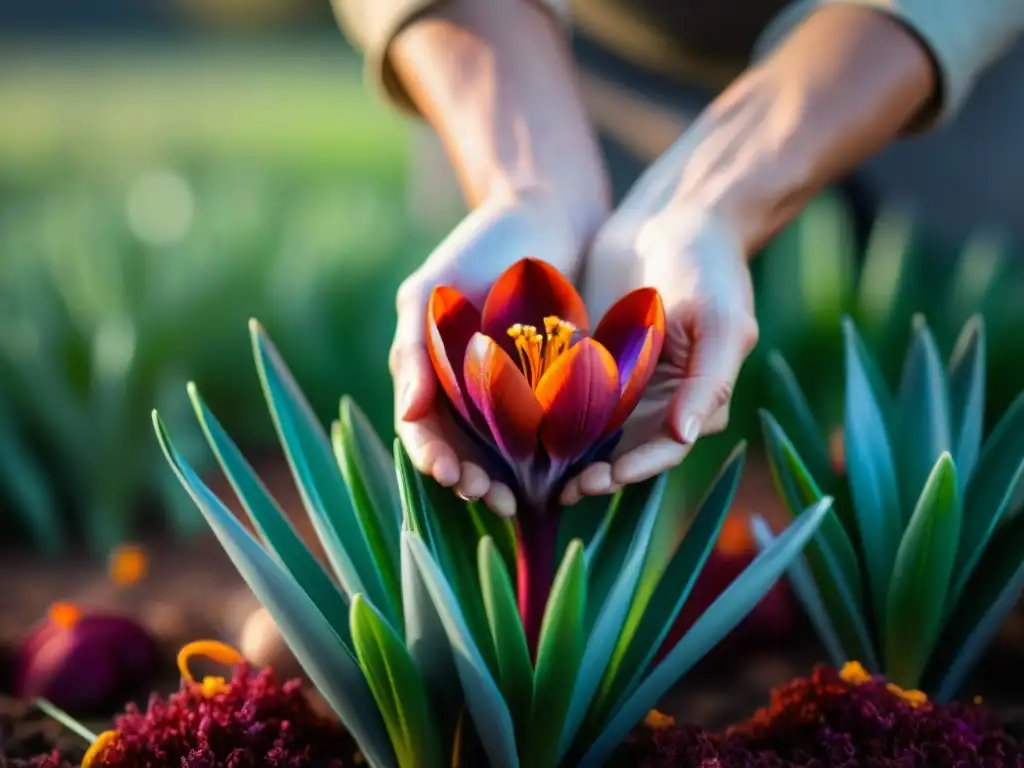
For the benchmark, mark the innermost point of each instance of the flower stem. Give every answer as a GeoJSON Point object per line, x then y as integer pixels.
{"type": "Point", "coordinates": [538, 542]}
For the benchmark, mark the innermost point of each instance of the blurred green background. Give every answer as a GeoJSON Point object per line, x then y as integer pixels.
{"type": "Point", "coordinates": [168, 171]}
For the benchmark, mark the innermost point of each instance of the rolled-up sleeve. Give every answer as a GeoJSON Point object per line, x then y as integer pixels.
{"type": "Point", "coordinates": [963, 36]}
{"type": "Point", "coordinates": [371, 25]}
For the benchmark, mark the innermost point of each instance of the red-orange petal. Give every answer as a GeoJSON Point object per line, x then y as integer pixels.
{"type": "Point", "coordinates": [451, 322]}
{"type": "Point", "coordinates": [640, 373]}
{"type": "Point", "coordinates": [526, 293]}
{"type": "Point", "coordinates": [623, 329]}
{"type": "Point", "coordinates": [578, 393]}
{"type": "Point", "coordinates": [504, 398]}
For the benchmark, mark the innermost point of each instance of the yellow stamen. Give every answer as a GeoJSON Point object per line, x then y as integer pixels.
{"type": "Point", "coordinates": [978, 700]}
{"type": "Point", "coordinates": [914, 698]}
{"type": "Point", "coordinates": [214, 651]}
{"type": "Point", "coordinates": [98, 747]}
{"type": "Point", "coordinates": [64, 615]}
{"type": "Point", "coordinates": [854, 673]}
{"type": "Point", "coordinates": [538, 352]}
{"type": "Point", "coordinates": [657, 721]}
{"type": "Point", "coordinates": [127, 565]}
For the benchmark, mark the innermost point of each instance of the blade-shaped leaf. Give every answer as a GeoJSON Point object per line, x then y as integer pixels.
{"type": "Point", "coordinates": [270, 522]}
{"type": "Point", "coordinates": [413, 496]}
{"type": "Point", "coordinates": [790, 403]}
{"type": "Point", "coordinates": [30, 494]}
{"type": "Point", "coordinates": [967, 396]}
{"type": "Point", "coordinates": [456, 539]}
{"type": "Point", "coordinates": [830, 557]}
{"type": "Point", "coordinates": [329, 664]}
{"type": "Point", "coordinates": [369, 473]}
{"type": "Point", "coordinates": [605, 632]}
{"type": "Point", "coordinates": [660, 594]}
{"type": "Point", "coordinates": [515, 669]}
{"type": "Point", "coordinates": [988, 599]}
{"type": "Point", "coordinates": [991, 492]}
{"type": "Point", "coordinates": [923, 423]}
{"type": "Point", "coordinates": [486, 706]}
{"type": "Point", "coordinates": [921, 575]}
{"type": "Point", "coordinates": [738, 599]}
{"type": "Point", "coordinates": [319, 481]}
{"type": "Point", "coordinates": [397, 686]}
{"type": "Point", "coordinates": [559, 653]}
{"type": "Point", "coordinates": [500, 529]}
{"type": "Point", "coordinates": [871, 472]}
{"type": "Point", "coordinates": [428, 646]}
{"type": "Point", "coordinates": [806, 592]}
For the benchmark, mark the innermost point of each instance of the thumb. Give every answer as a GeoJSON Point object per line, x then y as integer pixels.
{"type": "Point", "coordinates": [411, 370]}
{"type": "Point", "coordinates": [720, 349]}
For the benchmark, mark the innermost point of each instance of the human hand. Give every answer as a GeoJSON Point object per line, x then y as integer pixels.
{"type": "Point", "coordinates": [699, 266]}
{"type": "Point", "coordinates": [493, 237]}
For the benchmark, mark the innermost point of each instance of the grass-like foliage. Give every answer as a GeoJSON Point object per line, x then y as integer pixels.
{"type": "Point", "coordinates": [413, 635]}
{"type": "Point", "coordinates": [914, 570]}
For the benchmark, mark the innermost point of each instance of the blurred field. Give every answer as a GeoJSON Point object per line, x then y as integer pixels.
{"type": "Point", "coordinates": [154, 196]}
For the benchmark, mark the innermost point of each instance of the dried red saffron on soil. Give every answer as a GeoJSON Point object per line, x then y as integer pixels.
{"type": "Point", "coordinates": [254, 722]}
{"type": "Point", "coordinates": [824, 721]}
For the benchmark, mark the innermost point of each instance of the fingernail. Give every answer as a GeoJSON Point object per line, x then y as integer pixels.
{"type": "Point", "coordinates": [466, 497]}
{"type": "Point", "coordinates": [691, 430]}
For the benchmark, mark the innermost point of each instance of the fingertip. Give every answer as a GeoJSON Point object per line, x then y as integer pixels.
{"type": "Point", "coordinates": [596, 479]}
{"type": "Point", "coordinates": [571, 495]}
{"type": "Point", "coordinates": [501, 500]}
{"type": "Point", "coordinates": [648, 460]}
{"type": "Point", "coordinates": [446, 470]}
{"type": "Point", "coordinates": [474, 482]}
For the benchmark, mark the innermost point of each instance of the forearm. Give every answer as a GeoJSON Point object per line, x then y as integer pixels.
{"type": "Point", "coordinates": [494, 79]}
{"type": "Point", "coordinates": [837, 91]}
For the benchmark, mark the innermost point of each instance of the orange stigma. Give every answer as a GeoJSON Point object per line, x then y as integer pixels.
{"type": "Point", "coordinates": [538, 351]}
{"type": "Point", "coordinates": [128, 565]}
{"type": "Point", "coordinates": [213, 650]}
{"type": "Point", "coordinates": [64, 615]}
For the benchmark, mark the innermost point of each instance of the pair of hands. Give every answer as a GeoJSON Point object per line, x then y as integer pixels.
{"type": "Point", "coordinates": [694, 261]}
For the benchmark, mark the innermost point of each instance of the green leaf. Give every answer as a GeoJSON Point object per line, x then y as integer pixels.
{"type": "Point", "coordinates": [738, 599]}
{"type": "Point", "coordinates": [369, 473]}
{"type": "Point", "coordinates": [486, 706]}
{"type": "Point", "coordinates": [428, 646]}
{"type": "Point", "coordinates": [830, 557]}
{"type": "Point", "coordinates": [921, 576]}
{"type": "Point", "coordinates": [500, 529]}
{"type": "Point", "coordinates": [606, 553]}
{"type": "Point", "coordinates": [604, 634]}
{"type": "Point", "coordinates": [330, 665]}
{"type": "Point", "coordinates": [992, 490]}
{"type": "Point", "coordinates": [923, 432]}
{"type": "Point", "coordinates": [271, 523]}
{"type": "Point", "coordinates": [661, 592]}
{"type": "Point", "coordinates": [515, 670]}
{"type": "Point", "coordinates": [795, 414]}
{"type": "Point", "coordinates": [988, 599]}
{"type": "Point", "coordinates": [967, 396]}
{"type": "Point", "coordinates": [412, 496]}
{"type": "Point", "coordinates": [872, 474]}
{"type": "Point", "coordinates": [559, 652]}
{"type": "Point", "coordinates": [397, 686]}
{"type": "Point", "coordinates": [320, 483]}
{"type": "Point", "coordinates": [806, 592]}
{"type": "Point", "coordinates": [456, 539]}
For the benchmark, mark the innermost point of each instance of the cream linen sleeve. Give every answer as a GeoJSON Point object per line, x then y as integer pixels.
{"type": "Point", "coordinates": [963, 36]}
{"type": "Point", "coordinates": [371, 25]}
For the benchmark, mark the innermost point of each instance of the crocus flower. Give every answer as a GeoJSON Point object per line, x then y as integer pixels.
{"type": "Point", "coordinates": [540, 394]}
{"type": "Point", "coordinates": [84, 662]}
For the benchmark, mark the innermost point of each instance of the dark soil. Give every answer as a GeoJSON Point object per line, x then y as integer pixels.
{"type": "Point", "coordinates": [193, 591]}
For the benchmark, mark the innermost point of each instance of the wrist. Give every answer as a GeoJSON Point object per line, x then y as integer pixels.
{"type": "Point", "coordinates": [841, 88]}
